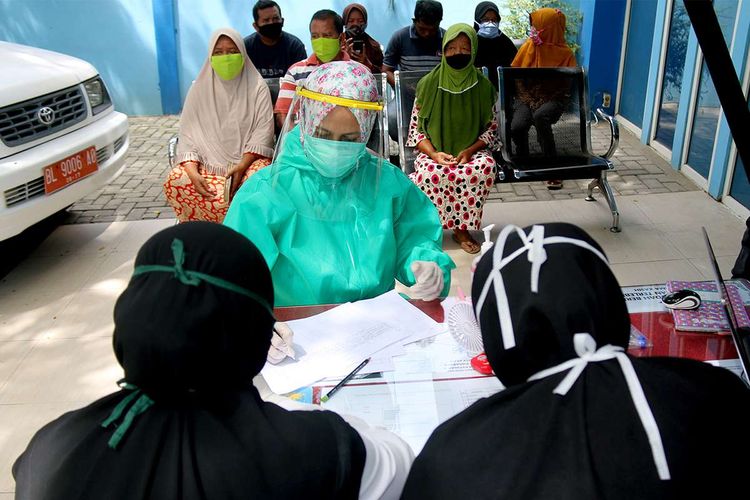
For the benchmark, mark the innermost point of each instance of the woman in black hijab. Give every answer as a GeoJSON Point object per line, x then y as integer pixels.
{"type": "Point", "coordinates": [191, 330]}
{"type": "Point", "coordinates": [494, 48]}
{"type": "Point", "coordinates": [580, 419]}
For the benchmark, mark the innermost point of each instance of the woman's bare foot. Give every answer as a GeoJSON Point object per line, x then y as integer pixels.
{"type": "Point", "coordinates": [463, 238]}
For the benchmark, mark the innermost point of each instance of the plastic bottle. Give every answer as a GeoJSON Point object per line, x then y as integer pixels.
{"type": "Point", "coordinates": [486, 246]}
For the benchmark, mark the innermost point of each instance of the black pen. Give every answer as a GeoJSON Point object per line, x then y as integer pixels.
{"type": "Point", "coordinates": [344, 381]}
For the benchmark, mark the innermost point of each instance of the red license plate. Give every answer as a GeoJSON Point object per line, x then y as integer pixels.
{"type": "Point", "coordinates": [71, 169]}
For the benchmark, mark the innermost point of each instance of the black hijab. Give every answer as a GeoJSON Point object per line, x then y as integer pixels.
{"type": "Point", "coordinates": [191, 331]}
{"type": "Point", "coordinates": [588, 440]}
{"type": "Point", "coordinates": [482, 8]}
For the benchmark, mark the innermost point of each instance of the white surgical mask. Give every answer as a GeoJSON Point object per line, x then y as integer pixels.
{"type": "Point", "coordinates": [489, 30]}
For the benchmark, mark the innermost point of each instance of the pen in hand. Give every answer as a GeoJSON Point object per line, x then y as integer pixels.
{"type": "Point", "coordinates": [344, 381]}
{"type": "Point", "coordinates": [284, 340]}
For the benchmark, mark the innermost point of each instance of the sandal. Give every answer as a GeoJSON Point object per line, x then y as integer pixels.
{"type": "Point", "coordinates": [554, 185]}
{"type": "Point", "coordinates": [469, 246]}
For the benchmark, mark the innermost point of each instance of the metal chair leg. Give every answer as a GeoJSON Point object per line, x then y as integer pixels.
{"type": "Point", "coordinates": [610, 197]}
{"type": "Point", "coordinates": [589, 195]}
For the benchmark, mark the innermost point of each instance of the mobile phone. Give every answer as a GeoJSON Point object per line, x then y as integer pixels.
{"type": "Point", "coordinates": [358, 46]}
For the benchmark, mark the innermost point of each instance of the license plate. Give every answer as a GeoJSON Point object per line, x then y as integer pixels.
{"type": "Point", "coordinates": [71, 169]}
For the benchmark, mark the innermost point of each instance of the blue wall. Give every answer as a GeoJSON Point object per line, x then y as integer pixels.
{"type": "Point", "coordinates": [635, 77]}
{"type": "Point", "coordinates": [116, 36]}
{"type": "Point", "coordinates": [601, 44]}
{"type": "Point", "coordinates": [136, 56]}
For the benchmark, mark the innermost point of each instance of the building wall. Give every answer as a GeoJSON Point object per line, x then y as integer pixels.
{"type": "Point", "coordinates": [149, 51]}
{"type": "Point", "coordinates": [116, 36]}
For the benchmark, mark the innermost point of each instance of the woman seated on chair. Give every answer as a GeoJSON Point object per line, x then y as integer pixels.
{"type": "Point", "coordinates": [226, 132]}
{"type": "Point", "coordinates": [453, 127]}
{"type": "Point", "coordinates": [541, 104]}
{"type": "Point", "coordinates": [335, 222]}
{"type": "Point", "coordinates": [580, 418]}
{"type": "Point", "coordinates": [192, 330]}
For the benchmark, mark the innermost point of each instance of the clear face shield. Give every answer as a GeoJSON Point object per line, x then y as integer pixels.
{"type": "Point", "coordinates": [329, 154]}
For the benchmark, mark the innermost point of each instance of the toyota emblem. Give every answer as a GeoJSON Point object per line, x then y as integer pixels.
{"type": "Point", "coordinates": [45, 115]}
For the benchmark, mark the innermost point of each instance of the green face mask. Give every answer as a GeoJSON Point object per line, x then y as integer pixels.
{"type": "Point", "coordinates": [228, 66]}
{"type": "Point", "coordinates": [326, 48]}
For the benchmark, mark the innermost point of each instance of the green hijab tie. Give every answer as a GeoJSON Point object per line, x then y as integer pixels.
{"type": "Point", "coordinates": [455, 105]}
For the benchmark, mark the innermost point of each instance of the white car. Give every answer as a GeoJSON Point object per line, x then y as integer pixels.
{"type": "Point", "coordinates": [60, 137]}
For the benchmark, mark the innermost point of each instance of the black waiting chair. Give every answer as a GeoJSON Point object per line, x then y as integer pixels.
{"type": "Point", "coordinates": [556, 144]}
{"type": "Point", "coordinates": [273, 85]}
{"type": "Point", "coordinates": [405, 89]}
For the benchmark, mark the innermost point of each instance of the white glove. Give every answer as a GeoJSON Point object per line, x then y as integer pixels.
{"type": "Point", "coordinates": [281, 343]}
{"type": "Point", "coordinates": [429, 280]}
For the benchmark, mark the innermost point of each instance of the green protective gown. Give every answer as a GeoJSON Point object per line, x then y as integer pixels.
{"type": "Point", "coordinates": [333, 242]}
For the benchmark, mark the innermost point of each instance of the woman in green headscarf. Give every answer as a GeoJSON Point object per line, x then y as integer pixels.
{"type": "Point", "coordinates": [453, 127]}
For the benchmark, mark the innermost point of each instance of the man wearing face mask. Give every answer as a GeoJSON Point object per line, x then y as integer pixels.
{"type": "Point", "coordinates": [495, 48]}
{"type": "Point", "coordinates": [271, 49]}
{"type": "Point", "coordinates": [327, 34]}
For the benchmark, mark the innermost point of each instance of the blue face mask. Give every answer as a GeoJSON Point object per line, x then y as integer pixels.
{"type": "Point", "coordinates": [332, 159]}
{"type": "Point", "coordinates": [489, 30]}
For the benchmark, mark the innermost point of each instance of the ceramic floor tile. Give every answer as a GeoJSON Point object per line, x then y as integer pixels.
{"type": "Point", "coordinates": [89, 312]}
{"type": "Point", "coordinates": [693, 207]}
{"type": "Point", "coordinates": [140, 231]}
{"type": "Point", "coordinates": [519, 213]}
{"type": "Point", "coordinates": [59, 274]}
{"type": "Point", "coordinates": [11, 356]}
{"type": "Point", "coordinates": [635, 244]}
{"type": "Point", "coordinates": [726, 262]}
{"type": "Point", "coordinates": [82, 239]}
{"type": "Point", "coordinates": [18, 424]}
{"type": "Point", "coordinates": [114, 272]}
{"type": "Point", "coordinates": [642, 273]}
{"type": "Point", "coordinates": [64, 370]}
{"type": "Point", "coordinates": [725, 236]}
{"type": "Point", "coordinates": [28, 314]}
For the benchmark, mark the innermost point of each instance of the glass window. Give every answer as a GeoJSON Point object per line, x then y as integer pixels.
{"type": "Point", "coordinates": [740, 189]}
{"type": "Point", "coordinates": [707, 107]}
{"type": "Point", "coordinates": [679, 31]}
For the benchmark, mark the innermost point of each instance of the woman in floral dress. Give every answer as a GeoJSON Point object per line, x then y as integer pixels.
{"type": "Point", "coordinates": [453, 127]}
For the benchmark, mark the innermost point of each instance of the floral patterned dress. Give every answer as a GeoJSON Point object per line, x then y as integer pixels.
{"type": "Point", "coordinates": [190, 205]}
{"type": "Point", "coordinates": [457, 191]}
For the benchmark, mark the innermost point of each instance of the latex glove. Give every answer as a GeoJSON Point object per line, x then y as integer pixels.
{"type": "Point", "coordinates": [429, 280]}
{"type": "Point", "coordinates": [281, 343]}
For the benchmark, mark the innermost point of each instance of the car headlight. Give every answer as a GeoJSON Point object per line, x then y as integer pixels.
{"type": "Point", "coordinates": [98, 95]}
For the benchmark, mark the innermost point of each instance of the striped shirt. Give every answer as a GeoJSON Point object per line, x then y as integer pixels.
{"type": "Point", "coordinates": [408, 52]}
{"type": "Point", "coordinates": [295, 76]}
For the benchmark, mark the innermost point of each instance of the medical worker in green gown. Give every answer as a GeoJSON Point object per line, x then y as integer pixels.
{"type": "Point", "coordinates": [335, 222]}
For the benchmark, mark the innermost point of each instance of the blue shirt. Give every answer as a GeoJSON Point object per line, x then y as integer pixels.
{"type": "Point", "coordinates": [406, 51]}
{"type": "Point", "coordinates": [272, 61]}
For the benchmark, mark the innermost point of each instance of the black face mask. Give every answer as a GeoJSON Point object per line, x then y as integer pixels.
{"type": "Point", "coordinates": [355, 32]}
{"type": "Point", "coordinates": [272, 30]}
{"type": "Point", "coordinates": [458, 61]}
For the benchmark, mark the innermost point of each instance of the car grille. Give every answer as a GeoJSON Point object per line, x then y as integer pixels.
{"type": "Point", "coordinates": [19, 123]}
{"type": "Point", "coordinates": [24, 192]}
{"type": "Point", "coordinates": [35, 187]}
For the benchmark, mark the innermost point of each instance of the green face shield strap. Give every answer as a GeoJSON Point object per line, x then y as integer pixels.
{"type": "Point", "coordinates": [142, 403]}
{"type": "Point", "coordinates": [194, 278]}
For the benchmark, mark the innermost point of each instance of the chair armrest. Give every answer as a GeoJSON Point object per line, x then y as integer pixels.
{"type": "Point", "coordinates": [615, 129]}
{"type": "Point", "coordinates": [172, 149]}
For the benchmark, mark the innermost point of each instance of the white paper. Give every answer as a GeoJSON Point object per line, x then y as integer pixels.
{"type": "Point", "coordinates": [411, 409]}
{"type": "Point", "coordinates": [644, 298]}
{"type": "Point", "coordinates": [334, 342]}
